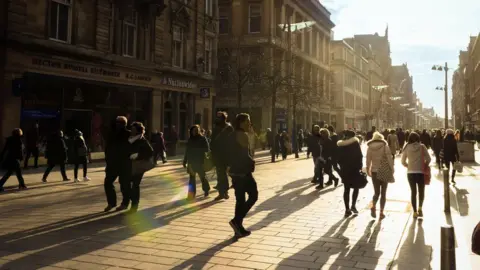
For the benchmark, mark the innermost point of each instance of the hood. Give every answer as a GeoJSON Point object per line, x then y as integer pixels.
{"type": "Point", "coordinates": [348, 142]}
{"type": "Point", "coordinates": [376, 144]}
{"type": "Point", "coordinates": [414, 147]}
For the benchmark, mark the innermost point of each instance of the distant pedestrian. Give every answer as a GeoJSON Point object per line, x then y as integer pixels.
{"type": "Point", "coordinates": [11, 158]}
{"type": "Point", "coordinates": [327, 153]}
{"type": "Point", "coordinates": [278, 142]}
{"type": "Point", "coordinates": [220, 152]}
{"type": "Point", "coordinates": [242, 166]}
{"type": "Point", "coordinates": [450, 153]}
{"type": "Point", "coordinates": [437, 147]}
{"type": "Point", "coordinates": [300, 140]}
{"type": "Point", "coordinates": [393, 144]}
{"type": "Point", "coordinates": [401, 139]}
{"type": "Point", "coordinates": [377, 153]}
{"type": "Point", "coordinates": [56, 154]}
{"type": "Point", "coordinates": [369, 135]}
{"type": "Point", "coordinates": [80, 153]}
{"type": "Point", "coordinates": [350, 159]}
{"type": "Point", "coordinates": [425, 139]}
{"type": "Point", "coordinates": [270, 137]}
{"type": "Point", "coordinates": [286, 145]}
{"type": "Point", "coordinates": [32, 146]}
{"type": "Point", "coordinates": [314, 147]}
{"type": "Point", "coordinates": [416, 157]}
{"type": "Point", "coordinates": [197, 147]}
{"type": "Point", "coordinates": [141, 156]}
{"type": "Point", "coordinates": [159, 149]}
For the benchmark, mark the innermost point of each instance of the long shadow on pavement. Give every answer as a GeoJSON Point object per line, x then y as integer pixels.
{"type": "Point", "coordinates": [413, 253]}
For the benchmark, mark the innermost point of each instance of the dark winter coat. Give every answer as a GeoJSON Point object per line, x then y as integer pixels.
{"type": "Point", "coordinates": [437, 145]}
{"type": "Point", "coordinates": [12, 152]}
{"type": "Point", "coordinates": [56, 151]}
{"type": "Point", "coordinates": [350, 159]}
{"type": "Point", "coordinates": [426, 140]}
{"type": "Point", "coordinates": [197, 147]}
{"type": "Point", "coordinates": [240, 160]}
{"type": "Point", "coordinates": [141, 147]}
{"type": "Point", "coordinates": [450, 149]}
{"type": "Point", "coordinates": [314, 146]}
{"type": "Point", "coordinates": [369, 136]}
{"type": "Point", "coordinates": [117, 150]}
{"type": "Point", "coordinates": [327, 148]}
{"type": "Point", "coordinates": [401, 138]}
{"type": "Point", "coordinates": [80, 150]}
{"type": "Point", "coordinates": [220, 143]}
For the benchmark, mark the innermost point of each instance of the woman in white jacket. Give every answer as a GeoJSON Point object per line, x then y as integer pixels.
{"type": "Point", "coordinates": [377, 150]}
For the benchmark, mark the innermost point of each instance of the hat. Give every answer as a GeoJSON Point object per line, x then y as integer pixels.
{"type": "Point", "coordinates": [378, 136]}
{"type": "Point", "coordinates": [450, 131]}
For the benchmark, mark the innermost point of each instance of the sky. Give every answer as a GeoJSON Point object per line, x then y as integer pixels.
{"type": "Point", "coordinates": [422, 33]}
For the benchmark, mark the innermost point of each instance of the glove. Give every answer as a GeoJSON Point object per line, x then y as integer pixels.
{"type": "Point", "coordinates": [133, 156]}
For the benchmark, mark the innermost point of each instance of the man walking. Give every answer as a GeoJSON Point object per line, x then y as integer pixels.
{"type": "Point", "coordinates": [242, 166]}
{"type": "Point", "coordinates": [220, 153]}
{"type": "Point", "coordinates": [117, 157]}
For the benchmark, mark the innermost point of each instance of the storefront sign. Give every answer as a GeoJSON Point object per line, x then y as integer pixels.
{"type": "Point", "coordinates": [178, 83]}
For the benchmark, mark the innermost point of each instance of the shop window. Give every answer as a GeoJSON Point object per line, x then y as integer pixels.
{"type": "Point", "coordinates": [208, 55]}
{"type": "Point", "coordinates": [60, 20]}
{"type": "Point", "coordinates": [254, 18]}
{"type": "Point", "coordinates": [224, 27]}
{"type": "Point", "coordinates": [130, 35]}
{"type": "Point", "coordinates": [178, 43]}
{"type": "Point", "coordinates": [183, 122]}
{"type": "Point", "coordinates": [209, 7]}
{"type": "Point", "coordinates": [167, 117]}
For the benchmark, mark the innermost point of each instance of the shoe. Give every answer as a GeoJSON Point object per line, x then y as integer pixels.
{"type": "Point", "coordinates": [420, 212]}
{"type": "Point", "coordinates": [348, 213]}
{"type": "Point", "coordinates": [235, 228]}
{"type": "Point", "coordinates": [108, 208]}
{"type": "Point", "coordinates": [382, 215]}
{"type": "Point", "coordinates": [329, 183]}
{"type": "Point", "coordinates": [44, 180]}
{"type": "Point", "coordinates": [226, 196]}
{"type": "Point", "coordinates": [132, 210]}
{"type": "Point", "coordinates": [415, 215]}
{"type": "Point", "coordinates": [354, 210]}
{"type": "Point", "coordinates": [76, 180]}
{"type": "Point", "coordinates": [314, 181]}
{"type": "Point", "coordinates": [219, 197]}
{"type": "Point", "coordinates": [86, 179]}
{"type": "Point", "coordinates": [66, 179]}
{"type": "Point", "coordinates": [319, 187]}
{"type": "Point", "coordinates": [121, 208]}
{"type": "Point", "coordinates": [245, 233]}
{"type": "Point", "coordinates": [22, 187]}
{"type": "Point", "coordinates": [373, 212]}
{"type": "Point", "coordinates": [206, 194]}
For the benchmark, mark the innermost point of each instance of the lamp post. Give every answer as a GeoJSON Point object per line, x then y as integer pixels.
{"type": "Point", "coordinates": [445, 88]}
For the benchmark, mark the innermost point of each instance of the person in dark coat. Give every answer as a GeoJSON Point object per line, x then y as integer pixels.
{"type": "Point", "coordinates": [314, 147]}
{"type": "Point", "coordinates": [401, 139]}
{"type": "Point", "coordinates": [334, 138]}
{"type": "Point", "coordinates": [270, 139]}
{"type": "Point", "coordinates": [32, 140]}
{"type": "Point", "coordinates": [450, 152]}
{"type": "Point", "coordinates": [300, 140]}
{"type": "Point", "coordinates": [140, 151]}
{"type": "Point", "coordinates": [327, 154]}
{"type": "Point", "coordinates": [80, 153]}
{"type": "Point", "coordinates": [159, 149]}
{"type": "Point", "coordinates": [220, 152]}
{"type": "Point", "coordinates": [118, 164]}
{"type": "Point", "coordinates": [56, 154]}
{"type": "Point", "coordinates": [197, 148]}
{"type": "Point", "coordinates": [350, 159]}
{"type": "Point", "coordinates": [242, 166]}
{"type": "Point", "coordinates": [11, 158]}
{"type": "Point", "coordinates": [278, 143]}
{"type": "Point", "coordinates": [437, 147]}
{"type": "Point", "coordinates": [425, 139]}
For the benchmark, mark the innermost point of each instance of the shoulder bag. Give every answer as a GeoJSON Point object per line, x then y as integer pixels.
{"type": "Point", "coordinates": [427, 173]}
{"type": "Point", "coordinates": [384, 172]}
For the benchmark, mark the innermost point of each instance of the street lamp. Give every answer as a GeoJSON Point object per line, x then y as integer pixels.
{"type": "Point", "coordinates": [445, 88]}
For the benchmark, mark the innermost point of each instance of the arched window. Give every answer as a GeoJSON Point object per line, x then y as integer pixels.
{"type": "Point", "coordinates": [183, 121]}
{"type": "Point", "coordinates": [167, 117]}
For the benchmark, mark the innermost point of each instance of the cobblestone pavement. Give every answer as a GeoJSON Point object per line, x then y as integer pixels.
{"type": "Point", "coordinates": [61, 225]}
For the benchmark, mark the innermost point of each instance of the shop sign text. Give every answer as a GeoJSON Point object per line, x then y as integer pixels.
{"type": "Point", "coordinates": [178, 83]}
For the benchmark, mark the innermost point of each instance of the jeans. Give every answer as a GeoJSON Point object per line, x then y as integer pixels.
{"type": "Point", "coordinates": [13, 167]}
{"type": "Point", "coordinates": [192, 183]}
{"type": "Point", "coordinates": [438, 160]}
{"type": "Point", "coordinates": [222, 179]}
{"type": "Point", "coordinates": [30, 152]}
{"type": "Point", "coordinates": [51, 166]}
{"type": "Point", "coordinates": [346, 197]}
{"type": "Point", "coordinates": [318, 171]}
{"type": "Point", "coordinates": [244, 185]}
{"type": "Point", "coordinates": [449, 164]}
{"type": "Point", "coordinates": [135, 189]}
{"type": "Point", "coordinates": [416, 180]}
{"type": "Point", "coordinates": [124, 180]}
{"type": "Point", "coordinates": [75, 169]}
{"type": "Point", "coordinates": [380, 188]}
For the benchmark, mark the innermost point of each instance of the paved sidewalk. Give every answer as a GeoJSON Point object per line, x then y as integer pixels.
{"type": "Point", "coordinates": [61, 226]}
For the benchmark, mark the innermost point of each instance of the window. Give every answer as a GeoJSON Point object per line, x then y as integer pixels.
{"type": "Point", "coordinates": [209, 7]}
{"type": "Point", "coordinates": [60, 21]}
{"type": "Point", "coordinates": [224, 27]}
{"type": "Point", "coordinates": [130, 35]}
{"type": "Point", "coordinates": [254, 18]}
{"type": "Point", "coordinates": [177, 50]}
{"type": "Point", "coordinates": [208, 55]}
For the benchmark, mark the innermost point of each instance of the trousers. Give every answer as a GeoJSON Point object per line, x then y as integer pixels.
{"type": "Point", "coordinates": [124, 179]}
{"type": "Point", "coordinates": [244, 185]}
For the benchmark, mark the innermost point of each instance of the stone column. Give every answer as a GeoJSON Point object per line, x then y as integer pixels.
{"type": "Point", "coordinates": [157, 110]}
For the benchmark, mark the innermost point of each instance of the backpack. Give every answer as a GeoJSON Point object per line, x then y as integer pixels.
{"type": "Point", "coordinates": [384, 172]}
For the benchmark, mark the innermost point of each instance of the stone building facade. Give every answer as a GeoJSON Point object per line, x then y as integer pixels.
{"type": "Point", "coordinates": [76, 64]}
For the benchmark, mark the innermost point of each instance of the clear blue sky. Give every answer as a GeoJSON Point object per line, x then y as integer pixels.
{"type": "Point", "coordinates": [422, 33]}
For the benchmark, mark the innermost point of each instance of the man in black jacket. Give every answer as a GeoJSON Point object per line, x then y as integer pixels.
{"type": "Point", "coordinates": [117, 157]}
{"type": "Point", "coordinates": [315, 148]}
{"type": "Point", "coordinates": [241, 167]}
{"type": "Point", "coordinates": [220, 151]}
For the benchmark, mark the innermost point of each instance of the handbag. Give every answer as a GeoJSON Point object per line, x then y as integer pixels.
{"type": "Point", "coordinates": [142, 166]}
{"type": "Point", "coordinates": [476, 239]}
{"type": "Point", "coordinates": [208, 162]}
{"type": "Point", "coordinates": [384, 172]}
{"type": "Point", "coordinates": [458, 166]}
{"type": "Point", "coordinates": [427, 173]}
{"type": "Point", "coordinates": [359, 180]}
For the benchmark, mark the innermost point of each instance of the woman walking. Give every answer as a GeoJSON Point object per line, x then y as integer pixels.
{"type": "Point", "coordinates": [350, 160]}
{"type": "Point", "coordinates": [141, 153]}
{"type": "Point", "coordinates": [12, 156]}
{"type": "Point", "coordinates": [197, 147]}
{"type": "Point", "coordinates": [377, 151]}
{"type": "Point", "coordinates": [56, 154]}
{"type": "Point", "coordinates": [438, 147]}
{"type": "Point", "coordinates": [80, 156]}
{"type": "Point", "coordinates": [450, 152]}
{"type": "Point", "coordinates": [392, 140]}
{"type": "Point", "coordinates": [416, 157]}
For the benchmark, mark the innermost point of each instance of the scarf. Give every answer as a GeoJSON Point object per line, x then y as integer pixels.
{"type": "Point", "coordinates": [132, 139]}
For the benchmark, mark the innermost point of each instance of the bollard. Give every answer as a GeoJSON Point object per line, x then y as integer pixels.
{"type": "Point", "coordinates": [446, 191]}
{"type": "Point", "coordinates": [447, 257]}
